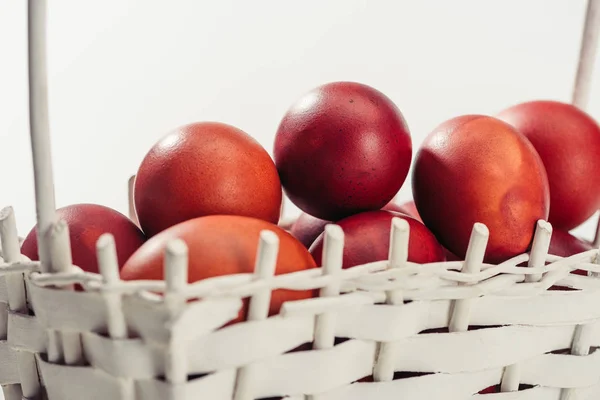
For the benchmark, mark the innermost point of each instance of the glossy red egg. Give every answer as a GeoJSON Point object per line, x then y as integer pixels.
{"type": "Point", "coordinates": [367, 239]}
{"type": "Point", "coordinates": [479, 169]}
{"type": "Point", "coordinates": [205, 168]}
{"type": "Point", "coordinates": [222, 245]}
{"type": "Point", "coordinates": [87, 222]}
{"type": "Point", "coordinates": [341, 149]}
{"type": "Point", "coordinates": [568, 142]}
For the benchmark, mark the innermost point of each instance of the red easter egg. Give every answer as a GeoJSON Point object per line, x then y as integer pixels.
{"type": "Point", "coordinates": [568, 142]}
{"type": "Point", "coordinates": [479, 169]}
{"type": "Point", "coordinates": [222, 245]}
{"type": "Point", "coordinates": [367, 239]}
{"type": "Point", "coordinates": [205, 168]}
{"type": "Point", "coordinates": [87, 222]}
{"type": "Point", "coordinates": [341, 149]}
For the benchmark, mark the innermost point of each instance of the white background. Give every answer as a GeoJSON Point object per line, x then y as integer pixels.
{"type": "Point", "coordinates": [124, 72]}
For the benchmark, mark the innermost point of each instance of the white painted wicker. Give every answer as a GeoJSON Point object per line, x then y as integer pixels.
{"type": "Point", "coordinates": [436, 331]}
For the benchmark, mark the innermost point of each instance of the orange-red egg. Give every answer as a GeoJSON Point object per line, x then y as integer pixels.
{"type": "Point", "coordinates": [367, 239]}
{"type": "Point", "coordinates": [87, 222]}
{"type": "Point", "coordinates": [222, 245]}
{"type": "Point", "coordinates": [341, 149]}
{"type": "Point", "coordinates": [205, 168]}
{"type": "Point", "coordinates": [479, 169]}
{"type": "Point", "coordinates": [568, 142]}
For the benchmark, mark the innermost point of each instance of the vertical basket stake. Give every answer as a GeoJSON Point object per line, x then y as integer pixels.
{"type": "Point", "coordinates": [511, 377]}
{"type": "Point", "coordinates": [176, 277]}
{"type": "Point", "coordinates": [459, 321]}
{"type": "Point", "coordinates": [17, 301]}
{"type": "Point", "coordinates": [109, 268]}
{"type": "Point", "coordinates": [539, 249]}
{"type": "Point", "coordinates": [61, 261]}
{"type": "Point", "coordinates": [266, 262]}
{"type": "Point", "coordinates": [333, 257]}
{"type": "Point", "coordinates": [39, 126]}
{"type": "Point", "coordinates": [108, 265]}
{"type": "Point", "coordinates": [398, 255]}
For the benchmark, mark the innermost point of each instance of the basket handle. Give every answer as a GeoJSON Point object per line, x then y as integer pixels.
{"type": "Point", "coordinates": [39, 127]}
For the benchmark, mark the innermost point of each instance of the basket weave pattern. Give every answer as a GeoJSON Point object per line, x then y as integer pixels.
{"type": "Point", "coordinates": [124, 340]}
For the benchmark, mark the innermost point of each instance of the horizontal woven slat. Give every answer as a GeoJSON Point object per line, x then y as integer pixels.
{"type": "Point", "coordinates": [535, 393]}
{"type": "Point", "coordinates": [480, 349]}
{"type": "Point", "coordinates": [551, 370]}
{"type": "Point", "coordinates": [8, 362]}
{"type": "Point", "coordinates": [428, 387]}
{"type": "Point", "coordinates": [68, 311]}
{"type": "Point", "coordinates": [580, 282]}
{"type": "Point", "coordinates": [76, 383]}
{"type": "Point", "coordinates": [217, 386]}
{"type": "Point", "coordinates": [25, 332]}
{"type": "Point", "coordinates": [391, 323]}
{"type": "Point", "coordinates": [312, 372]}
{"type": "Point", "coordinates": [547, 308]}
{"type": "Point", "coordinates": [125, 358]}
{"type": "Point", "coordinates": [243, 344]}
{"type": "Point", "coordinates": [154, 322]}
{"type": "Point", "coordinates": [449, 387]}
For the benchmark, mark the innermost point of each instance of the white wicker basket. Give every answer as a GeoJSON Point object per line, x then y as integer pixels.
{"type": "Point", "coordinates": [123, 341]}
